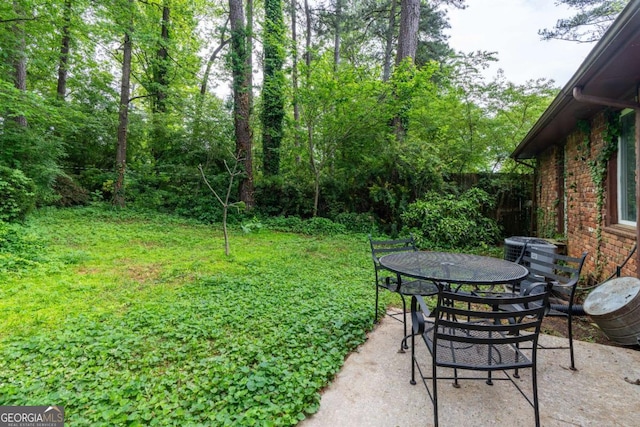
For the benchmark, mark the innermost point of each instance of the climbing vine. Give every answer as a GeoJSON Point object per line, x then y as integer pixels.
{"type": "Point", "coordinates": [598, 171]}
{"type": "Point", "coordinates": [584, 146]}
{"type": "Point", "coordinates": [274, 84]}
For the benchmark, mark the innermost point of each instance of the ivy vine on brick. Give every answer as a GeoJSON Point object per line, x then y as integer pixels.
{"type": "Point", "coordinates": [598, 169]}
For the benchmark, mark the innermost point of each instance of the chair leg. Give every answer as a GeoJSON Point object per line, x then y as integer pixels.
{"type": "Point", "coordinates": [434, 377]}
{"type": "Point", "coordinates": [536, 409]}
{"type": "Point", "coordinates": [570, 330]}
{"type": "Point", "coordinates": [490, 356]}
{"type": "Point", "coordinates": [516, 374]}
{"type": "Point", "coordinates": [413, 360]}
{"type": "Point", "coordinates": [403, 344]}
{"type": "Point", "coordinates": [375, 318]}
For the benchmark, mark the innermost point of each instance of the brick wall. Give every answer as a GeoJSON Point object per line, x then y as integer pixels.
{"type": "Point", "coordinates": [567, 205]}
{"type": "Point", "coordinates": [548, 193]}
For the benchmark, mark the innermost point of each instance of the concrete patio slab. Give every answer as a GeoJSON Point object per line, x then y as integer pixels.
{"type": "Point", "coordinates": [373, 389]}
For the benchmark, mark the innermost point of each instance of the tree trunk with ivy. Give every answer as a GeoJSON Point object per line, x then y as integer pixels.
{"type": "Point", "coordinates": [19, 59]}
{"type": "Point", "coordinates": [123, 120]}
{"type": "Point", "coordinates": [294, 75]}
{"type": "Point", "coordinates": [242, 98]}
{"type": "Point", "coordinates": [273, 87]}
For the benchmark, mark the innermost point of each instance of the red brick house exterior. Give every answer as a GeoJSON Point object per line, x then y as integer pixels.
{"type": "Point", "coordinates": [567, 207]}
{"type": "Point", "coordinates": [584, 170]}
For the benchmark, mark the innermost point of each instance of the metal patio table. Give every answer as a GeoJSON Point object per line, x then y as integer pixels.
{"type": "Point", "coordinates": [452, 270]}
{"type": "Point", "coordinates": [447, 268]}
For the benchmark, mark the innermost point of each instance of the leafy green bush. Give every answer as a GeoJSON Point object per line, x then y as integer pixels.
{"type": "Point", "coordinates": [97, 181]}
{"type": "Point", "coordinates": [452, 222]}
{"type": "Point", "coordinates": [70, 192]}
{"type": "Point", "coordinates": [355, 222]}
{"type": "Point", "coordinates": [277, 196]}
{"type": "Point", "coordinates": [17, 194]}
{"type": "Point", "coordinates": [284, 223]}
{"type": "Point", "coordinates": [319, 225]}
{"type": "Point", "coordinates": [316, 225]}
{"type": "Point", "coordinates": [19, 249]}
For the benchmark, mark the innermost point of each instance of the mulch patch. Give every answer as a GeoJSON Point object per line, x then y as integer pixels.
{"type": "Point", "coordinates": [584, 329]}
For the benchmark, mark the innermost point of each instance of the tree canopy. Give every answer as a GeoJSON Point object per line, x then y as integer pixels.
{"type": "Point", "coordinates": [592, 19]}
{"type": "Point", "coordinates": [101, 100]}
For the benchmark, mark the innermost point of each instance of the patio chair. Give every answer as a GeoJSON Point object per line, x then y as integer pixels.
{"type": "Point", "coordinates": [393, 282]}
{"type": "Point", "coordinates": [563, 273]}
{"type": "Point", "coordinates": [469, 332]}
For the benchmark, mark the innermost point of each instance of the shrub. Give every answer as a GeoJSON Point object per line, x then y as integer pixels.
{"type": "Point", "coordinates": [319, 225]}
{"type": "Point", "coordinates": [94, 180]}
{"type": "Point", "coordinates": [70, 192]}
{"type": "Point", "coordinates": [19, 249]}
{"type": "Point", "coordinates": [17, 194]}
{"type": "Point", "coordinates": [358, 223]}
{"type": "Point", "coordinates": [452, 222]}
{"type": "Point", "coordinates": [294, 224]}
{"type": "Point", "coordinates": [284, 223]}
{"type": "Point", "coordinates": [277, 196]}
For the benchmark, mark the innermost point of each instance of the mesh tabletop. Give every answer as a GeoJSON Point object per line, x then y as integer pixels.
{"type": "Point", "coordinates": [454, 267]}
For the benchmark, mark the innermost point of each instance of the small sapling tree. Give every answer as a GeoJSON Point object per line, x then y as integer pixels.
{"type": "Point", "coordinates": [233, 173]}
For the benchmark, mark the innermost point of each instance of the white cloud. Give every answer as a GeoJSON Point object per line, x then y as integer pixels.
{"type": "Point", "coordinates": [510, 27]}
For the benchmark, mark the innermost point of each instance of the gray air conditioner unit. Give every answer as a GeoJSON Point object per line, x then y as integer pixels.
{"type": "Point", "coordinates": [513, 247]}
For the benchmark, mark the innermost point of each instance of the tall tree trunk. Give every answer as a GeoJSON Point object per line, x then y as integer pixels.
{"type": "Point", "coordinates": [294, 75]}
{"type": "Point", "coordinates": [310, 142]}
{"type": "Point", "coordinates": [161, 68]}
{"type": "Point", "coordinates": [407, 47]}
{"type": "Point", "coordinates": [197, 121]}
{"type": "Point", "coordinates": [210, 61]}
{"type": "Point", "coordinates": [123, 119]}
{"type": "Point", "coordinates": [19, 58]}
{"type": "Point", "coordinates": [337, 35]}
{"type": "Point", "coordinates": [408, 37]}
{"type": "Point", "coordinates": [316, 169]}
{"type": "Point", "coordinates": [250, 52]}
{"type": "Point", "coordinates": [241, 98]}
{"type": "Point", "coordinates": [389, 42]}
{"type": "Point", "coordinates": [160, 142]}
{"type": "Point", "coordinates": [307, 53]}
{"type": "Point", "coordinates": [203, 84]}
{"type": "Point", "coordinates": [273, 88]}
{"type": "Point", "coordinates": [63, 64]}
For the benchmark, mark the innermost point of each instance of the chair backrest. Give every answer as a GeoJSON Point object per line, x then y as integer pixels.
{"type": "Point", "coordinates": [380, 248]}
{"type": "Point", "coordinates": [547, 266]}
{"type": "Point", "coordinates": [473, 324]}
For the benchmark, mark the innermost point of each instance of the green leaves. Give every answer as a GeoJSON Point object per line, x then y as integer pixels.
{"type": "Point", "coordinates": [20, 249]}
{"type": "Point", "coordinates": [453, 222]}
{"type": "Point", "coordinates": [17, 194]}
{"type": "Point", "coordinates": [245, 341]}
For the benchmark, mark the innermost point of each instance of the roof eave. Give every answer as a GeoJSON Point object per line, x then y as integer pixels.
{"type": "Point", "coordinates": [604, 52]}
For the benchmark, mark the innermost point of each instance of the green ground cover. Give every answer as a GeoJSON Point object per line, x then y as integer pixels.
{"type": "Point", "coordinates": [139, 319]}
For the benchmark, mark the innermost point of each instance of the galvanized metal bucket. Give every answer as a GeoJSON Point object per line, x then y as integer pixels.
{"type": "Point", "coordinates": [615, 307]}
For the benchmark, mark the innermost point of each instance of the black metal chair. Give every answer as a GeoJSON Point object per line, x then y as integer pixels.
{"type": "Point", "coordinates": [393, 282]}
{"type": "Point", "coordinates": [563, 273]}
{"type": "Point", "coordinates": [469, 332]}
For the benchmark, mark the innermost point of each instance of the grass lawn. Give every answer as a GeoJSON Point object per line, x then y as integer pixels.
{"type": "Point", "coordinates": [138, 319]}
